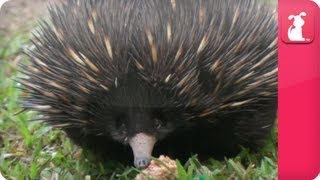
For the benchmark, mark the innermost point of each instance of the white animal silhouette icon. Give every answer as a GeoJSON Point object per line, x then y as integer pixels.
{"type": "Point", "coordinates": [318, 177]}
{"type": "Point", "coordinates": [2, 2]}
{"type": "Point", "coordinates": [317, 2]}
{"type": "Point", "coordinates": [295, 30]}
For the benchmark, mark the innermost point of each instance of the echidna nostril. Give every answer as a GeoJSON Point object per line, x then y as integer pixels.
{"type": "Point", "coordinates": [141, 163]}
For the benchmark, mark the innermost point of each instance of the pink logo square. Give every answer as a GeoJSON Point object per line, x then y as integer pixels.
{"type": "Point", "coordinates": [298, 23]}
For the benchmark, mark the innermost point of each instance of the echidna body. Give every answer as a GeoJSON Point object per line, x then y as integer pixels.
{"type": "Point", "coordinates": [174, 77]}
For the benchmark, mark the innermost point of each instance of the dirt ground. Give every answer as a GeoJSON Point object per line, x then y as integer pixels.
{"type": "Point", "coordinates": [21, 15]}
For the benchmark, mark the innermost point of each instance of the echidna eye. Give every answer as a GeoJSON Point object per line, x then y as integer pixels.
{"type": "Point", "coordinates": [119, 121]}
{"type": "Point", "coordinates": [158, 123]}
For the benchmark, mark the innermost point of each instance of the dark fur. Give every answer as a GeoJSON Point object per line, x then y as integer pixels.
{"type": "Point", "coordinates": [199, 115]}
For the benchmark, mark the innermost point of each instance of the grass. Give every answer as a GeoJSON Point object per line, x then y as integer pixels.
{"type": "Point", "coordinates": [31, 150]}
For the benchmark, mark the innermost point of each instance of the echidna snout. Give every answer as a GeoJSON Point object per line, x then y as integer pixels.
{"type": "Point", "coordinates": [142, 146]}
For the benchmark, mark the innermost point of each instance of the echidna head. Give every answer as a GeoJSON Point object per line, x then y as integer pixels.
{"type": "Point", "coordinates": [137, 113]}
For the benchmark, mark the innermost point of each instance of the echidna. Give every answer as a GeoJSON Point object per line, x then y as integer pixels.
{"type": "Point", "coordinates": [174, 77]}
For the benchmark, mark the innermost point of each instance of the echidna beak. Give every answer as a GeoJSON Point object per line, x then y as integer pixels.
{"type": "Point", "coordinates": [142, 146]}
